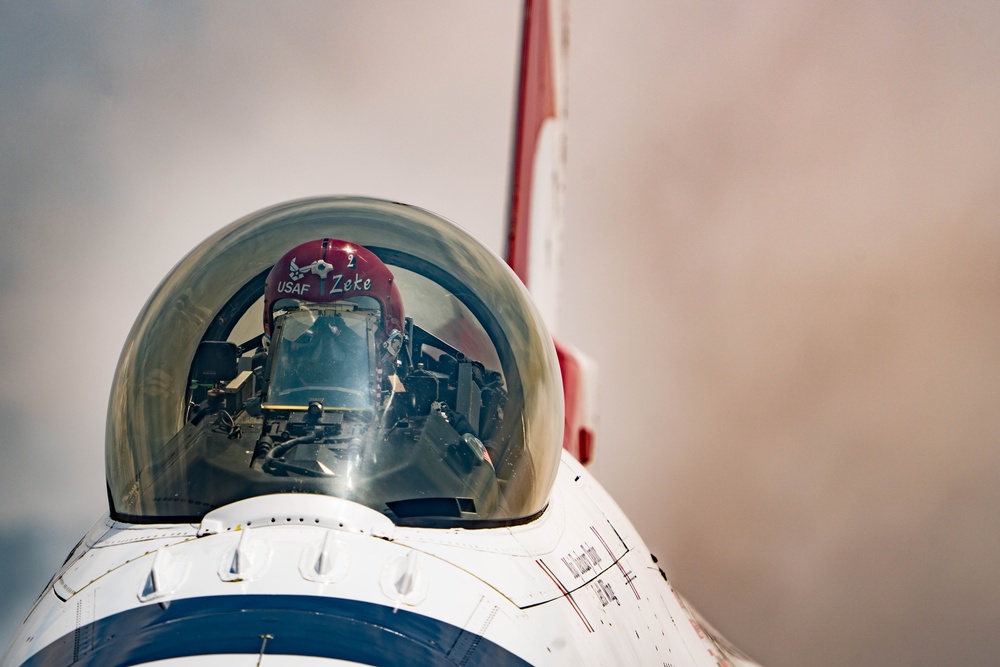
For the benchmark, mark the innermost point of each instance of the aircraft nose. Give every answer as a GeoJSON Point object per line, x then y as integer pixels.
{"type": "Point", "coordinates": [285, 577]}
{"type": "Point", "coordinates": [275, 630]}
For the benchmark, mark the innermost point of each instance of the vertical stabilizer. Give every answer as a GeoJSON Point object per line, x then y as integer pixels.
{"type": "Point", "coordinates": [539, 162]}
{"type": "Point", "coordinates": [538, 182]}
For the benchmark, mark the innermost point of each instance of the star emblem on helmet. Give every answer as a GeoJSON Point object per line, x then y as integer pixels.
{"type": "Point", "coordinates": [294, 272]}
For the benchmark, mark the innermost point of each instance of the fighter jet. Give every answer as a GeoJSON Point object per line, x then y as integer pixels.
{"type": "Point", "coordinates": [340, 433]}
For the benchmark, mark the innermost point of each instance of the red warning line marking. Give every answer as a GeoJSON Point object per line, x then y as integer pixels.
{"type": "Point", "coordinates": [566, 594]}
{"type": "Point", "coordinates": [629, 578]}
{"type": "Point", "coordinates": [606, 547]}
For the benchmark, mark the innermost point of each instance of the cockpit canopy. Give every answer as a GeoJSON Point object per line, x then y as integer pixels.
{"type": "Point", "coordinates": [452, 417]}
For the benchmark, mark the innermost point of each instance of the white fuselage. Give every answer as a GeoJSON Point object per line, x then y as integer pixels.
{"type": "Point", "coordinates": [301, 579]}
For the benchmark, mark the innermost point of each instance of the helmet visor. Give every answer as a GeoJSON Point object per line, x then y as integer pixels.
{"type": "Point", "coordinates": [324, 354]}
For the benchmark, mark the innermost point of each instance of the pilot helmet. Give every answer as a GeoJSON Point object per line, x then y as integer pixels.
{"type": "Point", "coordinates": [331, 311]}
{"type": "Point", "coordinates": [328, 271]}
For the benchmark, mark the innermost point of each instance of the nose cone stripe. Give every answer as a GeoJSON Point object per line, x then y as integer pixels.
{"type": "Point", "coordinates": [297, 625]}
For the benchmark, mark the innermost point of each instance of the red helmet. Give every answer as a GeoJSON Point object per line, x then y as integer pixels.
{"type": "Point", "coordinates": [328, 270]}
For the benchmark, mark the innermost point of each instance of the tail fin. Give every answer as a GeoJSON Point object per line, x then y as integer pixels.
{"type": "Point", "coordinates": [539, 163]}
{"type": "Point", "coordinates": [538, 178]}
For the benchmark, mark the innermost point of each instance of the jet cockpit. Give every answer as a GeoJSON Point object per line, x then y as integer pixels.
{"type": "Point", "coordinates": [350, 347]}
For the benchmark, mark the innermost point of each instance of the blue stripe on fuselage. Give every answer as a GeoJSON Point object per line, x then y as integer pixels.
{"type": "Point", "coordinates": [297, 625]}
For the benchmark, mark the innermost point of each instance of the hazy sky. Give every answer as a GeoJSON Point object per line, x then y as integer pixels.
{"type": "Point", "coordinates": [783, 251]}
